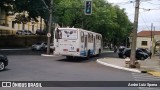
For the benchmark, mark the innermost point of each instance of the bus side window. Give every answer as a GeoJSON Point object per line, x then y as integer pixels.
{"type": "Point", "coordinates": [88, 37]}
{"type": "Point", "coordinates": [91, 37]}
{"type": "Point", "coordinates": [96, 38]}
{"type": "Point", "coordinates": [82, 37]}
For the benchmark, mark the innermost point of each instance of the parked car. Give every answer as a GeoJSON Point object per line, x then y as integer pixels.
{"type": "Point", "coordinates": [24, 32]}
{"type": "Point", "coordinates": [146, 51]}
{"type": "Point", "coordinates": [140, 55]}
{"type": "Point", "coordinates": [120, 51]}
{"type": "Point", "coordinates": [51, 47]}
{"type": "Point", "coordinates": [39, 46]}
{"type": "Point", "coordinates": [3, 62]}
{"type": "Point", "coordinates": [28, 32]}
{"type": "Point", "coordinates": [40, 32]}
{"type": "Point", "coordinates": [19, 32]}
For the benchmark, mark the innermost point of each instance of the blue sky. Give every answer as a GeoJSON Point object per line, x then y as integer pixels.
{"type": "Point", "coordinates": [146, 16]}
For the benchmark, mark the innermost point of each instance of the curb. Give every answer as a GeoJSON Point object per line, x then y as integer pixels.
{"type": "Point", "coordinates": [51, 55]}
{"type": "Point", "coordinates": [47, 55]}
{"type": "Point", "coordinates": [118, 67]}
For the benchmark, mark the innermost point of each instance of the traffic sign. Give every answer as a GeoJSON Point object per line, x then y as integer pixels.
{"type": "Point", "coordinates": [48, 34]}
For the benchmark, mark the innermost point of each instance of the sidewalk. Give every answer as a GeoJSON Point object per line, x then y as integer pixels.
{"type": "Point", "coordinates": [151, 66]}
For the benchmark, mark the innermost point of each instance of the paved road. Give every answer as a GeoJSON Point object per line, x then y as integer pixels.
{"type": "Point", "coordinates": [38, 68]}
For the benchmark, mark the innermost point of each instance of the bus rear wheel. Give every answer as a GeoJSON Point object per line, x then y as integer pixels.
{"type": "Point", "coordinates": [88, 55]}
{"type": "Point", "coordinates": [99, 53]}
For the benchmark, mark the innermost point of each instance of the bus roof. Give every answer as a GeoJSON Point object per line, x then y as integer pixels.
{"type": "Point", "coordinates": [81, 30]}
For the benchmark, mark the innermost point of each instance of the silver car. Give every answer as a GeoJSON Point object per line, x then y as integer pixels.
{"type": "Point", "coordinates": [51, 47]}
{"type": "Point", "coordinates": [39, 46]}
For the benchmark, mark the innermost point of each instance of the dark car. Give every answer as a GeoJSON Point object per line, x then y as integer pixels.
{"type": "Point", "coordinates": [41, 32]}
{"type": "Point", "coordinates": [146, 51]}
{"type": "Point", "coordinates": [140, 55]}
{"type": "Point", "coordinates": [24, 32]}
{"type": "Point", "coordinates": [120, 51]}
{"type": "Point", "coordinates": [19, 32]}
{"type": "Point", "coordinates": [3, 62]}
{"type": "Point", "coordinates": [28, 32]}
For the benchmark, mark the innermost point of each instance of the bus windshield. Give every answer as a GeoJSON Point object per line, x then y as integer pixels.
{"type": "Point", "coordinates": [66, 34]}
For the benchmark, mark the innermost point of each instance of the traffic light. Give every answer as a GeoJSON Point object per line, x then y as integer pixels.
{"type": "Point", "coordinates": [88, 7]}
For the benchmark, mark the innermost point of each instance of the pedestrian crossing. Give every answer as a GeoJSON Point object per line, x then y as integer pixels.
{"type": "Point", "coordinates": [145, 77]}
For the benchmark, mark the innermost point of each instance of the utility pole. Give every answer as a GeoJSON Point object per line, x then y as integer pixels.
{"type": "Point", "coordinates": [49, 29]}
{"type": "Point", "coordinates": [134, 38]}
{"type": "Point", "coordinates": [151, 44]}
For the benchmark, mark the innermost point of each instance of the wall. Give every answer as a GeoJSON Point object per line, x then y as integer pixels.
{"type": "Point", "coordinates": [140, 39]}
{"type": "Point", "coordinates": [20, 41]}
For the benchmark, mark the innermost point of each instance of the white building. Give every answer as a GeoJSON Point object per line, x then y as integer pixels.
{"type": "Point", "coordinates": [148, 39]}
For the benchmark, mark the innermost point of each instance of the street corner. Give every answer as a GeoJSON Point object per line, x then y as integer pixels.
{"type": "Point", "coordinates": [50, 55]}
{"type": "Point", "coordinates": [154, 73]}
{"type": "Point", "coordinates": [101, 61]}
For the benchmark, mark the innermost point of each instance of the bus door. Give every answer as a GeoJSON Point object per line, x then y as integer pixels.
{"type": "Point", "coordinates": [85, 43]}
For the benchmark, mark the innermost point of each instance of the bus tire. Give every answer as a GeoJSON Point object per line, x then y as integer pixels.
{"type": "Point", "coordinates": [99, 52]}
{"type": "Point", "coordinates": [88, 55]}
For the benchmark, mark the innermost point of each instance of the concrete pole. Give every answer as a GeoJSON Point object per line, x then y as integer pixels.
{"type": "Point", "coordinates": [49, 29]}
{"type": "Point", "coordinates": [151, 44]}
{"type": "Point", "coordinates": [134, 39]}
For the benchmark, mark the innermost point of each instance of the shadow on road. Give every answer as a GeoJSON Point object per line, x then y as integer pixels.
{"type": "Point", "coordinates": [82, 60]}
{"type": "Point", "coordinates": [5, 70]}
{"type": "Point", "coordinates": [92, 59]}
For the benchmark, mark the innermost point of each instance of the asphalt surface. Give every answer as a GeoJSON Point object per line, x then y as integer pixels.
{"type": "Point", "coordinates": [30, 66]}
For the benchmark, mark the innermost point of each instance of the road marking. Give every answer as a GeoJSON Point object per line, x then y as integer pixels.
{"type": "Point", "coordinates": [50, 55]}
{"type": "Point", "coordinates": [147, 88]}
{"type": "Point", "coordinates": [145, 77]}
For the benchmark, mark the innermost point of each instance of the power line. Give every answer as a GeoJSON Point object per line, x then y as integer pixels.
{"type": "Point", "coordinates": [124, 3]}
{"type": "Point", "coordinates": [149, 9]}
{"type": "Point", "coordinates": [45, 4]}
{"type": "Point", "coordinates": [153, 3]}
{"type": "Point", "coordinates": [144, 22]}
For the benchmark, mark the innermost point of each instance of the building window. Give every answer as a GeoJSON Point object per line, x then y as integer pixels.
{"type": "Point", "coordinates": [144, 43]}
{"type": "Point", "coordinates": [13, 24]}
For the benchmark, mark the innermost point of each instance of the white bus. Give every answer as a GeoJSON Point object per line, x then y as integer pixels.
{"type": "Point", "coordinates": [76, 42]}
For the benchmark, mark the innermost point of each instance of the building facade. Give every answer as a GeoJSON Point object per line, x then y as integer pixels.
{"type": "Point", "coordinates": [149, 40]}
{"type": "Point", "coordinates": [8, 21]}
